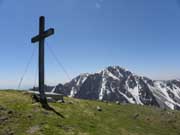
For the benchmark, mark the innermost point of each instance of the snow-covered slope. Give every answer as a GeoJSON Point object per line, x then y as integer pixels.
{"type": "Point", "coordinates": [118, 84]}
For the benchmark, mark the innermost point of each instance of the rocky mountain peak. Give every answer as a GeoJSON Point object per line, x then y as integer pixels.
{"type": "Point", "coordinates": [118, 84]}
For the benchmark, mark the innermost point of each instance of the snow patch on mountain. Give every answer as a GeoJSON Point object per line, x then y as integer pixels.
{"type": "Point", "coordinates": [73, 92]}
{"type": "Point", "coordinates": [130, 100]}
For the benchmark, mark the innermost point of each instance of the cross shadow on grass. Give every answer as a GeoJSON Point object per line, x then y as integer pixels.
{"type": "Point", "coordinates": [49, 108]}
{"type": "Point", "coordinates": [46, 106]}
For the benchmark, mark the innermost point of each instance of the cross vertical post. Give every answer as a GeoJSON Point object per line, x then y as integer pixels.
{"type": "Point", "coordinates": [41, 61]}
{"type": "Point", "coordinates": [41, 39]}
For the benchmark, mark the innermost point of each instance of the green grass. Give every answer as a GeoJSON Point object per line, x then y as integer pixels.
{"type": "Point", "coordinates": [23, 117]}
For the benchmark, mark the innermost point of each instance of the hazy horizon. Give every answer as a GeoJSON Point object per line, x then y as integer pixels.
{"type": "Point", "coordinates": [28, 85]}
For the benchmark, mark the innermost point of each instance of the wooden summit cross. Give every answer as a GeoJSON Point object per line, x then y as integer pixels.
{"type": "Point", "coordinates": [41, 38]}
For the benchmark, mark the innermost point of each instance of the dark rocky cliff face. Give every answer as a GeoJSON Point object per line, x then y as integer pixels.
{"type": "Point", "coordinates": [118, 84]}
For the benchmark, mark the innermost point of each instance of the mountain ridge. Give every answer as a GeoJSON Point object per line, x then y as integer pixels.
{"type": "Point", "coordinates": [118, 84]}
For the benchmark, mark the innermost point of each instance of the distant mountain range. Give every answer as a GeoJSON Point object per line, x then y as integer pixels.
{"type": "Point", "coordinates": [117, 84]}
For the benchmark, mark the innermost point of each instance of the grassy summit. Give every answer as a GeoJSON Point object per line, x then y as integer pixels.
{"type": "Point", "coordinates": [20, 116]}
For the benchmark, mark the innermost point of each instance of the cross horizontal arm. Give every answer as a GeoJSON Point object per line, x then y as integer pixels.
{"type": "Point", "coordinates": [45, 34]}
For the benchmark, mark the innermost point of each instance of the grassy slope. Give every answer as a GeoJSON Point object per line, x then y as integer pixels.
{"type": "Point", "coordinates": [22, 117]}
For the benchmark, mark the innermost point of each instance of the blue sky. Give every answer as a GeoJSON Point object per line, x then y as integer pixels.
{"type": "Point", "coordinates": [142, 36]}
